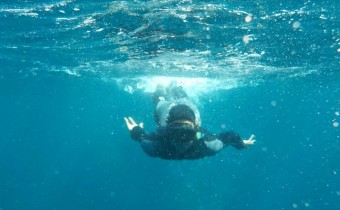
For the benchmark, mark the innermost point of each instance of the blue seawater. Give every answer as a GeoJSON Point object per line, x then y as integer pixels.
{"type": "Point", "coordinates": [71, 70]}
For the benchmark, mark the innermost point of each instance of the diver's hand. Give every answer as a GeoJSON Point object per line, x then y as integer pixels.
{"type": "Point", "coordinates": [249, 141]}
{"type": "Point", "coordinates": [130, 123]}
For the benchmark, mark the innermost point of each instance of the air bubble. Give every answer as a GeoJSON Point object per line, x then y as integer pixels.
{"type": "Point", "coordinates": [246, 39]}
{"type": "Point", "coordinates": [248, 18]}
{"type": "Point", "coordinates": [296, 24]}
{"type": "Point", "coordinates": [273, 103]}
{"type": "Point", "coordinates": [335, 124]}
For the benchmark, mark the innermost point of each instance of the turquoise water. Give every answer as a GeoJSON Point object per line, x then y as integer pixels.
{"type": "Point", "coordinates": [71, 70]}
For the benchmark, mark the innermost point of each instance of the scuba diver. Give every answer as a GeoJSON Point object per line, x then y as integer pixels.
{"type": "Point", "coordinates": [179, 134]}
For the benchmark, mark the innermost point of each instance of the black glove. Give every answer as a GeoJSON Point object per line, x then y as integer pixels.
{"type": "Point", "coordinates": [137, 133]}
{"type": "Point", "coordinates": [232, 138]}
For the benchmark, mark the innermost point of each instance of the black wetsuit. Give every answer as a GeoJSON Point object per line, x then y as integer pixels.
{"type": "Point", "coordinates": [162, 143]}
{"type": "Point", "coordinates": [158, 144]}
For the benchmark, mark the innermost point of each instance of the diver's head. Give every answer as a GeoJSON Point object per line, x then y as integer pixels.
{"type": "Point", "coordinates": [181, 125]}
{"type": "Point", "coordinates": [181, 116]}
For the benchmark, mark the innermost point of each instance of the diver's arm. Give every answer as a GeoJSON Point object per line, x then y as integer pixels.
{"type": "Point", "coordinates": [250, 141]}
{"type": "Point", "coordinates": [137, 132]}
{"type": "Point", "coordinates": [130, 123]}
{"type": "Point", "coordinates": [232, 138]}
{"type": "Point", "coordinates": [213, 146]}
{"type": "Point", "coordinates": [149, 142]}
{"type": "Point", "coordinates": [209, 143]}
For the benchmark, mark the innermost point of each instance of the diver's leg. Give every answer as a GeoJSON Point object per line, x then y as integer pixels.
{"type": "Point", "coordinates": [178, 92]}
{"type": "Point", "coordinates": [159, 94]}
{"type": "Point", "coordinates": [175, 92]}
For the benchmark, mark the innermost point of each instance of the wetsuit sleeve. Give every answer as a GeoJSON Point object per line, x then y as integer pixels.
{"type": "Point", "coordinates": [150, 143]}
{"type": "Point", "coordinates": [232, 138]}
{"type": "Point", "coordinates": [209, 144]}
{"type": "Point", "coordinates": [138, 133]}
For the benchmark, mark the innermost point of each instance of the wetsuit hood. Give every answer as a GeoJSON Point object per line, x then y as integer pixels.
{"type": "Point", "coordinates": [181, 112]}
{"type": "Point", "coordinates": [182, 108]}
